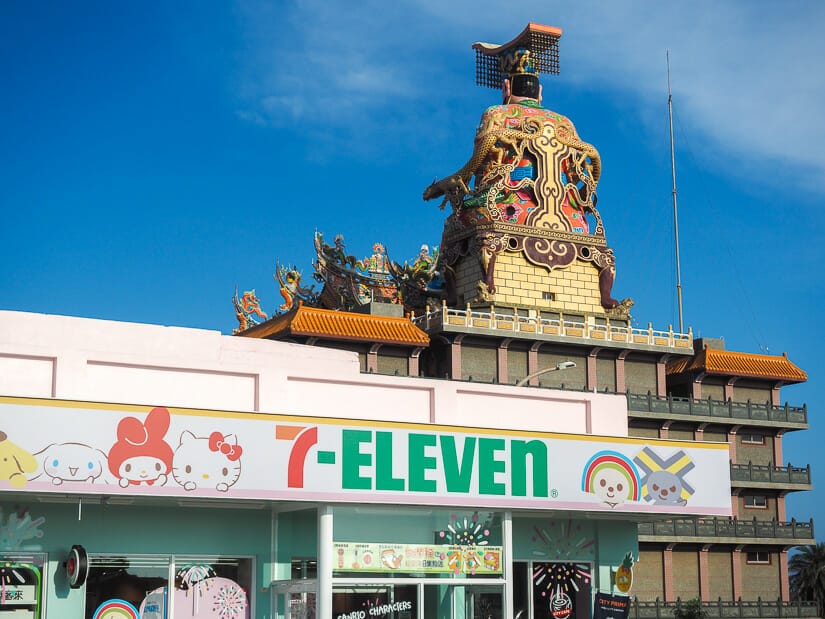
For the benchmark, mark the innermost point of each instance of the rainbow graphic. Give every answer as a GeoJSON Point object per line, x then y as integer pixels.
{"type": "Point", "coordinates": [116, 609]}
{"type": "Point", "coordinates": [618, 462]}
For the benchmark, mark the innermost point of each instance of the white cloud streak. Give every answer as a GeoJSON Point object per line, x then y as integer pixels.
{"type": "Point", "coordinates": [745, 75]}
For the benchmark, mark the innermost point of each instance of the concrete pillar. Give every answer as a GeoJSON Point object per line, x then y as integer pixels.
{"type": "Point", "coordinates": [533, 363]}
{"type": "Point", "coordinates": [781, 514]}
{"type": "Point", "coordinates": [372, 358]}
{"type": "Point", "coordinates": [323, 598]}
{"type": "Point", "coordinates": [667, 573]}
{"type": "Point", "coordinates": [784, 583]}
{"type": "Point", "coordinates": [777, 448]}
{"type": "Point", "coordinates": [736, 572]}
{"type": "Point", "coordinates": [661, 375]}
{"type": "Point", "coordinates": [413, 367]}
{"type": "Point", "coordinates": [729, 388]}
{"type": "Point", "coordinates": [592, 377]}
{"type": "Point", "coordinates": [732, 443]}
{"type": "Point", "coordinates": [501, 362]}
{"type": "Point", "coordinates": [664, 431]}
{"type": "Point", "coordinates": [621, 386]}
{"type": "Point", "coordinates": [775, 397]}
{"type": "Point", "coordinates": [704, 574]}
{"type": "Point", "coordinates": [455, 358]}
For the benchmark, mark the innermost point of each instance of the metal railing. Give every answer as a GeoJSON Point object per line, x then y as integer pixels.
{"type": "Point", "coordinates": [728, 527]}
{"type": "Point", "coordinates": [752, 411]}
{"type": "Point", "coordinates": [770, 474]}
{"type": "Point", "coordinates": [445, 316]}
{"type": "Point", "coordinates": [719, 609]}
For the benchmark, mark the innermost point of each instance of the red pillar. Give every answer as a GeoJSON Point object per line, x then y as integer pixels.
{"type": "Point", "coordinates": [704, 574]}
{"type": "Point", "coordinates": [667, 565]}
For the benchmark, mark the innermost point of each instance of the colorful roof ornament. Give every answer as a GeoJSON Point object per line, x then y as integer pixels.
{"type": "Point", "coordinates": [247, 307]}
{"type": "Point", "coordinates": [349, 282]}
{"type": "Point", "coordinates": [289, 281]}
{"type": "Point", "coordinates": [535, 50]}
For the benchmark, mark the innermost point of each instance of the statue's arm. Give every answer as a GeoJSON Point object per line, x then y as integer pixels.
{"type": "Point", "coordinates": [458, 181]}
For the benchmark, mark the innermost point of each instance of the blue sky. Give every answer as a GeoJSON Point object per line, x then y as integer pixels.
{"type": "Point", "coordinates": [154, 155]}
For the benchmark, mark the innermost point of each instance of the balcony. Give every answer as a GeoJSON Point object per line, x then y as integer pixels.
{"type": "Point", "coordinates": [720, 609]}
{"type": "Point", "coordinates": [650, 406]}
{"type": "Point", "coordinates": [490, 322]}
{"type": "Point", "coordinates": [775, 477]}
{"type": "Point", "coordinates": [727, 531]}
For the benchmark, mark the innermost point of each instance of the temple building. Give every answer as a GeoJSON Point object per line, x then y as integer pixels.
{"type": "Point", "coordinates": [478, 432]}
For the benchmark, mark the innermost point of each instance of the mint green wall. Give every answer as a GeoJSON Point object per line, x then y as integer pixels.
{"type": "Point", "coordinates": [297, 539]}
{"type": "Point", "coordinates": [157, 529]}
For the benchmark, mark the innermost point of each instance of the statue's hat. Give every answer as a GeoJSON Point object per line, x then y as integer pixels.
{"type": "Point", "coordinates": [535, 50]}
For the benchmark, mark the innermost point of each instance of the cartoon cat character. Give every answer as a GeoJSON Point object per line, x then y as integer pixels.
{"type": "Point", "coordinates": [141, 457]}
{"type": "Point", "coordinates": [15, 462]}
{"type": "Point", "coordinates": [72, 462]}
{"type": "Point", "coordinates": [207, 462]}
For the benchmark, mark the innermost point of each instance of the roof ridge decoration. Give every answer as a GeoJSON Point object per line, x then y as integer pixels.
{"type": "Point", "coordinates": [349, 283]}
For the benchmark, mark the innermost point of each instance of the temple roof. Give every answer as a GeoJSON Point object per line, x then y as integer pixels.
{"type": "Point", "coordinates": [729, 363]}
{"type": "Point", "coordinates": [337, 325]}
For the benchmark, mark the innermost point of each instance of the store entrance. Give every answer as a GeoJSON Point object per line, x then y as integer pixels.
{"type": "Point", "coordinates": [417, 600]}
{"type": "Point", "coordinates": [552, 590]}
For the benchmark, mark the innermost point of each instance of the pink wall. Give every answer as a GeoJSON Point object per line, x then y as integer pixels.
{"type": "Point", "coordinates": [98, 360]}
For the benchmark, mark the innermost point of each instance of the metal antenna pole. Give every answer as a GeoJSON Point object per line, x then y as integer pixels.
{"type": "Point", "coordinates": [675, 210]}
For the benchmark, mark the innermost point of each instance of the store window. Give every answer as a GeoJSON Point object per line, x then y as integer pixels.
{"type": "Point", "coordinates": [201, 586]}
{"type": "Point", "coordinates": [22, 585]}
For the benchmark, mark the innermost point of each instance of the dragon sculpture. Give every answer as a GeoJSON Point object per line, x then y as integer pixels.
{"type": "Point", "coordinates": [246, 308]}
{"type": "Point", "coordinates": [289, 280]}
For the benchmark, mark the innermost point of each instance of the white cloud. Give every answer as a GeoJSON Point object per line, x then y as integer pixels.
{"type": "Point", "coordinates": [745, 75]}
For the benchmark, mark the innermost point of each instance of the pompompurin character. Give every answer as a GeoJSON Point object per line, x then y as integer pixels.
{"type": "Point", "coordinates": [141, 457]}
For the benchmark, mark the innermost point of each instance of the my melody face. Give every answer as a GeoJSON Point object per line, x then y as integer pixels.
{"type": "Point", "coordinates": [610, 486]}
{"type": "Point", "coordinates": [142, 468]}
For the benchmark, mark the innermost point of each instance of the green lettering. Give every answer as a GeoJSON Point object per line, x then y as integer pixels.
{"type": "Point", "coordinates": [488, 466]}
{"type": "Point", "coordinates": [352, 459]}
{"type": "Point", "coordinates": [383, 463]}
{"type": "Point", "coordinates": [419, 463]}
{"type": "Point", "coordinates": [457, 476]}
{"type": "Point", "coordinates": [519, 451]}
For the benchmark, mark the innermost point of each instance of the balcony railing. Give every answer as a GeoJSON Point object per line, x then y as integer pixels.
{"type": "Point", "coordinates": [751, 411]}
{"type": "Point", "coordinates": [728, 527]}
{"type": "Point", "coordinates": [513, 323]}
{"type": "Point", "coordinates": [759, 608]}
{"type": "Point", "coordinates": [756, 473]}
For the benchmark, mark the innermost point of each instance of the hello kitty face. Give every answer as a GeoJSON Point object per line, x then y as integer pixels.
{"type": "Point", "coordinates": [142, 470]}
{"type": "Point", "coordinates": [610, 486]}
{"type": "Point", "coordinates": [665, 488]}
{"type": "Point", "coordinates": [71, 462]}
{"type": "Point", "coordinates": [207, 462]}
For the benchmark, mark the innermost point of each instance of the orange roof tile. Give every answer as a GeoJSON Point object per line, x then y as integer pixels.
{"type": "Point", "coordinates": [730, 363]}
{"type": "Point", "coordinates": [336, 325]}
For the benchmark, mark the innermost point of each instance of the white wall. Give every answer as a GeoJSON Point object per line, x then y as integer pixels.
{"type": "Point", "coordinates": [97, 360]}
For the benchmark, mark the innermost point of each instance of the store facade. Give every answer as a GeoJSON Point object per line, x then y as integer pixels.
{"type": "Point", "coordinates": [377, 505]}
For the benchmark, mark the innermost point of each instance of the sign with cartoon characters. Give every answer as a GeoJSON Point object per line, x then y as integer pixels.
{"type": "Point", "coordinates": [59, 446]}
{"type": "Point", "coordinates": [417, 558]}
